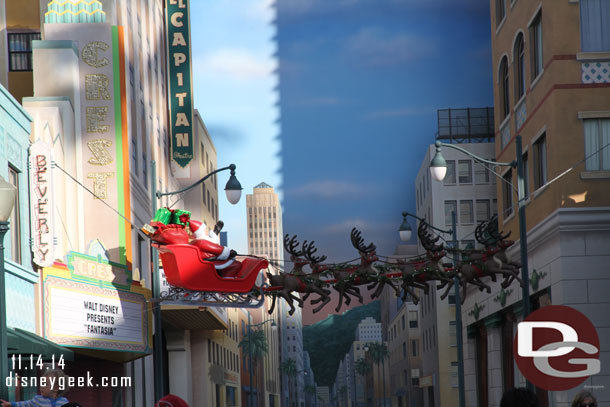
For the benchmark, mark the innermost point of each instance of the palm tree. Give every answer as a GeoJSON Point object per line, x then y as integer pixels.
{"type": "Point", "coordinates": [256, 342]}
{"type": "Point", "coordinates": [343, 393]}
{"type": "Point", "coordinates": [310, 390]}
{"type": "Point", "coordinates": [289, 367]}
{"type": "Point", "coordinates": [363, 368]}
{"type": "Point", "coordinates": [379, 353]}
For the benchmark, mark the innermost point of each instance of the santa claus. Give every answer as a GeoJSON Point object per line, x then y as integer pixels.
{"type": "Point", "coordinates": [208, 243]}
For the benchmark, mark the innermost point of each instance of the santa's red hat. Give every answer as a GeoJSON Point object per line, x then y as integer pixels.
{"type": "Point", "coordinates": [171, 401]}
{"type": "Point", "coordinates": [197, 229]}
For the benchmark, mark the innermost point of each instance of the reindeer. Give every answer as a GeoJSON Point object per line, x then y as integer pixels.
{"type": "Point", "coordinates": [317, 270]}
{"type": "Point", "coordinates": [506, 266]}
{"type": "Point", "coordinates": [434, 268]}
{"type": "Point", "coordinates": [295, 281]}
{"type": "Point", "coordinates": [408, 270]}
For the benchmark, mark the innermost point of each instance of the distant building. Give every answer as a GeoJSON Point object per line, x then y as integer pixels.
{"type": "Point", "coordinates": [468, 190]}
{"type": "Point", "coordinates": [368, 330]}
{"type": "Point", "coordinates": [265, 231]}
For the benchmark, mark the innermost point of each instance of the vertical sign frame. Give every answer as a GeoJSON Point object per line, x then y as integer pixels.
{"type": "Point", "coordinates": [180, 81]}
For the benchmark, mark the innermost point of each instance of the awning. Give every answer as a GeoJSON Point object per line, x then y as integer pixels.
{"type": "Point", "coordinates": [21, 342]}
{"type": "Point", "coordinates": [190, 317]}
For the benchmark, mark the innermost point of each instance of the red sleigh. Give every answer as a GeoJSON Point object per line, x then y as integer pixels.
{"type": "Point", "coordinates": [186, 268]}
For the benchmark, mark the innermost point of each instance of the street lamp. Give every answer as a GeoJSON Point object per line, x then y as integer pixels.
{"type": "Point", "coordinates": [7, 201]}
{"type": "Point", "coordinates": [405, 230]}
{"type": "Point", "coordinates": [437, 171]}
{"type": "Point", "coordinates": [456, 288]}
{"type": "Point", "coordinates": [273, 327]}
{"type": "Point", "coordinates": [233, 191]}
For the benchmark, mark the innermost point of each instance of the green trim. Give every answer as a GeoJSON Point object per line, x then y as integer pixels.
{"type": "Point", "coordinates": [21, 272]}
{"type": "Point", "coordinates": [23, 342]}
{"type": "Point", "coordinates": [118, 141]}
{"type": "Point", "coordinates": [15, 110]}
{"type": "Point", "coordinates": [493, 320]}
{"type": "Point", "coordinates": [55, 44]}
{"type": "Point", "coordinates": [34, 99]}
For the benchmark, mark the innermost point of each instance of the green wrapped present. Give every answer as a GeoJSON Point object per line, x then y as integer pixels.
{"type": "Point", "coordinates": [163, 215]}
{"type": "Point", "coordinates": [180, 217]}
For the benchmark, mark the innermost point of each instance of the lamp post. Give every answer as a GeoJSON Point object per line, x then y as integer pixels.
{"type": "Point", "coordinates": [233, 191]}
{"type": "Point", "coordinates": [250, 325]}
{"type": "Point", "coordinates": [7, 201]}
{"type": "Point", "coordinates": [438, 169]}
{"type": "Point", "coordinates": [405, 234]}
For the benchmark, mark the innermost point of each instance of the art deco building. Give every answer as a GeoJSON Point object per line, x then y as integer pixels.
{"type": "Point", "coordinates": [265, 238]}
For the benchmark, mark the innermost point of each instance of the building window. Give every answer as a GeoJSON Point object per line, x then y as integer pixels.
{"type": "Point", "coordinates": [504, 88]}
{"type": "Point", "coordinates": [481, 173]}
{"type": "Point", "coordinates": [15, 218]}
{"type": "Point", "coordinates": [536, 46]}
{"type": "Point", "coordinates": [450, 175]}
{"type": "Point", "coordinates": [404, 350]}
{"type": "Point", "coordinates": [451, 299]}
{"type": "Point", "coordinates": [415, 381]}
{"type": "Point", "coordinates": [20, 51]}
{"type": "Point", "coordinates": [594, 23]}
{"type": "Point", "coordinates": [465, 171]}
{"type": "Point", "coordinates": [452, 334]}
{"type": "Point", "coordinates": [450, 206]}
{"type": "Point", "coordinates": [494, 207]}
{"type": "Point", "coordinates": [454, 374]}
{"type": "Point", "coordinates": [519, 58]}
{"type": "Point", "coordinates": [466, 216]}
{"type": "Point", "coordinates": [597, 136]}
{"type": "Point", "coordinates": [500, 11]}
{"type": "Point", "coordinates": [507, 194]}
{"type": "Point", "coordinates": [526, 184]}
{"type": "Point", "coordinates": [413, 324]}
{"type": "Point", "coordinates": [482, 210]}
{"type": "Point", "coordinates": [540, 162]}
{"type": "Point", "coordinates": [414, 346]}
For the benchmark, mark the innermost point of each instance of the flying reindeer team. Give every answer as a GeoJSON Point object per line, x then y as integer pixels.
{"type": "Point", "coordinates": [403, 276]}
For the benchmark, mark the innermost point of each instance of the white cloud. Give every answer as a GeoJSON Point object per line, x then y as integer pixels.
{"type": "Point", "coordinates": [377, 48]}
{"type": "Point", "coordinates": [331, 190]}
{"type": "Point", "coordinates": [234, 63]}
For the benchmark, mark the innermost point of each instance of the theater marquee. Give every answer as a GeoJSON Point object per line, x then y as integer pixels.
{"type": "Point", "coordinates": [91, 303]}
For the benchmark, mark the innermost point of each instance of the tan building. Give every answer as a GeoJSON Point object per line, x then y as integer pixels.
{"type": "Point", "coordinates": [551, 87]}
{"type": "Point", "coordinates": [265, 238]}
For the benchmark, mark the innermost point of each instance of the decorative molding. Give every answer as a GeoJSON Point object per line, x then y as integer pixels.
{"type": "Point", "coordinates": [476, 310]}
{"type": "Point", "coordinates": [593, 56]}
{"type": "Point", "coordinates": [595, 174]}
{"type": "Point", "coordinates": [595, 72]}
{"type": "Point", "coordinates": [600, 114]}
{"type": "Point", "coordinates": [535, 279]}
{"type": "Point", "coordinates": [501, 297]}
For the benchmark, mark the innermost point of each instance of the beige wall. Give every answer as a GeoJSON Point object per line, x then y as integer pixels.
{"type": "Point", "coordinates": [553, 102]}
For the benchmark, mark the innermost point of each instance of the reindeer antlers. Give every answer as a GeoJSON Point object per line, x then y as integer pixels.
{"type": "Point", "coordinates": [291, 244]}
{"type": "Point", "coordinates": [358, 242]}
{"type": "Point", "coordinates": [309, 250]}
{"type": "Point", "coordinates": [426, 238]}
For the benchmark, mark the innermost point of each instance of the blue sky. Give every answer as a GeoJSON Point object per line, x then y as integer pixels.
{"type": "Point", "coordinates": [334, 102]}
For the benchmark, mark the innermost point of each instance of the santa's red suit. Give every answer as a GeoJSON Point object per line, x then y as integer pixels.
{"type": "Point", "coordinates": [209, 244]}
